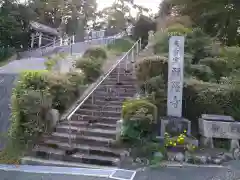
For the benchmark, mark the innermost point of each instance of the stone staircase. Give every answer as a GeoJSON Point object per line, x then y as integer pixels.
{"type": "Point", "coordinates": [92, 127]}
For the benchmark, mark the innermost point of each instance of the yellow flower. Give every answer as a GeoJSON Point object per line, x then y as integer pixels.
{"type": "Point", "coordinates": [174, 144]}
{"type": "Point", "coordinates": [185, 131]}
{"type": "Point", "coordinates": [170, 142]}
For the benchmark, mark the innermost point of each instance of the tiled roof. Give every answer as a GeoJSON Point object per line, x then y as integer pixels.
{"type": "Point", "coordinates": [43, 28]}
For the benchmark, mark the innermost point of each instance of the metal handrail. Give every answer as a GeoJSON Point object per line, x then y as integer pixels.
{"type": "Point", "coordinates": [136, 44]}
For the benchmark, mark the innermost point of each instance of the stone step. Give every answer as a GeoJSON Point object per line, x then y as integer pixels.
{"type": "Point", "coordinates": [115, 88]}
{"type": "Point", "coordinates": [118, 84]}
{"type": "Point", "coordinates": [85, 149]}
{"type": "Point", "coordinates": [127, 86]}
{"type": "Point", "coordinates": [86, 131]}
{"type": "Point", "coordinates": [51, 153]}
{"type": "Point", "coordinates": [109, 107]}
{"type": "Point", "coordinates": [111, 98]}
{"type": "Point", "coordinates": [104, 102]}
{"type": "Point", "coordinates": [97, 124]}
{"type": "Point", "coordinates": [43, 162]}
{"type": "Point", "coordinates": [106, 120]}
{"type": "Point", "coordinates": [114, 93]}
{"type": "Point", "coordinates": [121, 78]}
{"type": "Point", "coordinates": [99, 113]}
{"type": "Point", "coordinates": [89, 140]}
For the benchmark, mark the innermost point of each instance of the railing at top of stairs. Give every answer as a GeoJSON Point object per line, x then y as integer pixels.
{"type": "Point", "coordinates": [70, 41]}
{"type": "Point", "coordinates": [128, 58]}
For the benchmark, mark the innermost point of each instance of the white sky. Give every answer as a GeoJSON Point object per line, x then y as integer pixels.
{"type": "Point", "coordinates": [151, 4]}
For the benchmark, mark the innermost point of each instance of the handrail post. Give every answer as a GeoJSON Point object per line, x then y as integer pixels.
{"type": "Point", "coordinates": [140, 43]}
{"type": "Point", "coordinates": [133, 55]}
{"type": "Point", "coordinates": [69, 133]}
{"type": "Point", "coordinates": [92, 103]}
{"type": "Point", "coordinates": [137, 48]}
{"type": "Point", "coordinates": [126, 62]}
{"type": "Point", "coordinates": [118, 73]}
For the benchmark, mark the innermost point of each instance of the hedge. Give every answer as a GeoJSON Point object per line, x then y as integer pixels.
{"type": "Point", "coordinates": [121, 45]}
{"type": "Point", "coordinates": [139, 117]}
{"type": "Point", "coordinates": [91, 68]}
{"type": "Point", "coordinates": [202, 72]}
{"type": "Point", "coordinates": [209, 98]}
{"type": "Point", "coordinates": [150, 67]}
{"type": "Point", "coordinates": [218, 66]}
{"type": "Point", "coordinates": [95, 53]}
{"type": "Point", "coordinates": [37, 92]}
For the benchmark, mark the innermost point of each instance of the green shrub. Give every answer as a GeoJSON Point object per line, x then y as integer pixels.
{"type": "Point", "coordinates": [36, 80]}
{"type": "Point", "coordinates": [5, 53]}
{"type": "Point", "coordinates": [209, 98]}
{"type": "Point", "coordinates": [178, 30]}
{"type": "Point", "coordinates": [232, 55]}
{"type": "Point", "coordinates": [76, 77]}
{"type": "Point", "coordinates": [95, 53]}
{"type": "Point", "coordinates": [218, 65]}
{"type": "Point", "coordinates": [63, 91]}
{"type": "Point", "coordinates": [92, 69]}
{"type": "Point", "coordinates": [150, 67]}
{"type": "Point", "coordinates": [196, 43]}
{"type": "Point", "coordinates": [139, 117]}
{"type": "Point", "coordinates": [202, 72]}
{"type": "Point", "coordinates": [29, 110]}
{"type": "Point", "coordinates": [161, 43]}
{"type": "Point", "coordinates": [158, 89]}
{"type": "Point", "coordinates": [183, 20]}
{"type": "Point", "coordinates": [52, 60]}
{"type": "Point", "coordinates": [121, 45]}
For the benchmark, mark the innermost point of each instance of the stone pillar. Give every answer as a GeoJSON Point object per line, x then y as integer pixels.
{"type": "Point", "coordinates": [32, 40]}
{"type": "Point", "coordinates": [40, 40]}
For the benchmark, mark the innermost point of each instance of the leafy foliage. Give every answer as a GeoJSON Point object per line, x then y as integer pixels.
{"type": "Point", "coordinates": [52, 61]}
{"type": "Point", "coordinates": [121, 45]}
{"type": "Point", "coordinates": [158, 89]}
{"type": "Point", "coordinates": [95, 53]}
{"type": "Point", "coordinates": [62, 90]}
{"type": "Point", "coordinates": [151, 67]}
{"type": "Point", "coordinates": [178, 30]}
{"type": "Point", "coordinates": [196, 43]}
{"type": "Point", "coordinates": [90, 67]}
{"type": "Point", "coordinates": [218, 66]}
{"type": "Point", "coordinates": [138, 116]}
{"type": "Point", "coordinates": [34, 95]}
{"type": "Point", "coordinates": [202, 72]}
{"type": "Point", "coordinates": [219, 19]}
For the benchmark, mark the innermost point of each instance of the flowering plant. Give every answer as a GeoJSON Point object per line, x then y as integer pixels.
{"type": "Point", "coordinates": [179, 140]}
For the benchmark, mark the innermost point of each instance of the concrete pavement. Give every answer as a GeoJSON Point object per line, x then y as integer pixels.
{"type": "Point", "coordinates": [230, 172]}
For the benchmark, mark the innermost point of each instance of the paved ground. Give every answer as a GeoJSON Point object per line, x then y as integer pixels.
{"type": "Point", "coordinates": [164, 173]}
{"type": "Point", "coordinates": [189, 173]}
{"type": "Point", "coordinates": [7, 175]}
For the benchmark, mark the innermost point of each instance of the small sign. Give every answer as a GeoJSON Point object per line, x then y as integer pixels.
{"type": "Point", "coordinates": [175, 76]}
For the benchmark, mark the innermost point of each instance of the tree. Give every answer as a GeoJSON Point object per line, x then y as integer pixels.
{"type": "Point", "coordinates": [66, 15]}
{"type": "Point", "coordinates": [14, 20]}
{"type": "Point", "coordinates": [217, 18]}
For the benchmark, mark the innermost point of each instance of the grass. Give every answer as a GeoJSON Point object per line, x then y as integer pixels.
{"type": "Point", "coordinates": [13, 151]}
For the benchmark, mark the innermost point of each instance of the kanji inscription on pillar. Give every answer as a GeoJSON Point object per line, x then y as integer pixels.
{"type": "Point", "coordinates": [175, 76]}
